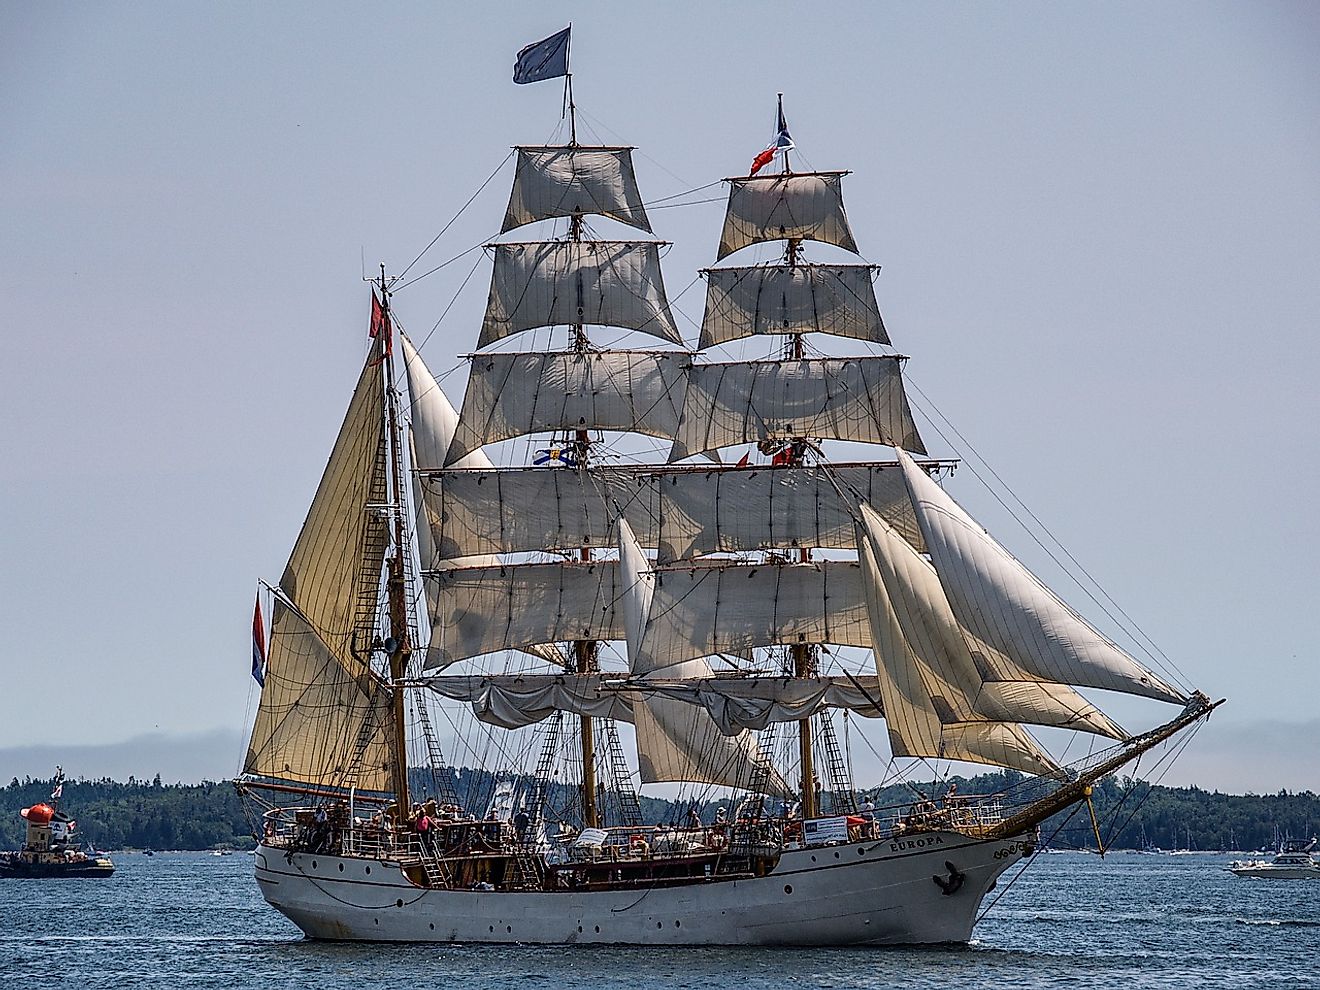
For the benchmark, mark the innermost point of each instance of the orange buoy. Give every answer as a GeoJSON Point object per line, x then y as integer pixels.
{"type": "Point", "coordinates": [38, 814]}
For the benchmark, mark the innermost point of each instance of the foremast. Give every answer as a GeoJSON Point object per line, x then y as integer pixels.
{"type": "Point", "coordinates": [398, 645]}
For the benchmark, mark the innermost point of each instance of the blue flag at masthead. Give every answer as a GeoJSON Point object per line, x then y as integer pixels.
{"type": "Point", "coordinates": [543, 59]}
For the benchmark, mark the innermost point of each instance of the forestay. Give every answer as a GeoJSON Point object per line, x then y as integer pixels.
{"type": "Point", "coordinates": [739, 402]}
{"type": "Point", "coordinates": [1017, 621]}
{"type": "Point", "coordinates": [511, 395]}
{"type": "Point", "coordinates": [570, 283]}
{"type": "Point", "coordinates": [804, 205]}
{"type": "Point", "coordinates": [561, 181]}
{"type": "Point", "coordinates": [833, 299]}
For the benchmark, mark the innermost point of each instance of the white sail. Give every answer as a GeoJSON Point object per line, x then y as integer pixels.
{"type": "Point", "coordinates": [564, 180]}
{"type": "Point", "coordinates": [740, 703]}
{"type": "Point", "coordinates": [777, 299]}
{"type": "Point", "coordinates": [433, 423]}
{"type": "Point", "coordinates": [715, 607]}
{"type": "Point", "coordinates": [320, 716]}
{"type": "Point", "coordinates": [539, 508]}
{"type": "Point", "coordinates": [511, 701]}
{"type": "Point", "coordinates": [738, 402]}
{"type": "Point", "coordinates": [324, 718]}
{"type": "Point", "coordinates": [479, 610]}
{"type": "Point", "coordinates": [1015, 618]}
{"type": "Point", "coordinates": [944, 648]}
{"type": "Point", "coordinates": [570, 283]}
{"type": "Point", "coordinates": [804, 205]}
{"type": "Point", "coordinates": [927, 711]}
{"type": "Point", "coordinates": [751, 508]}
{"type": "Point", "coordinates": [511, 395]}
{"type": "Point", "coordinates": [676, 741]}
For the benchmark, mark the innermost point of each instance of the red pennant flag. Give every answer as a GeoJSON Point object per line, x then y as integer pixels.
{"type": "Point", "coordinates": [380, 324]}
{"type": "Point", "coordinates": [744, 460]}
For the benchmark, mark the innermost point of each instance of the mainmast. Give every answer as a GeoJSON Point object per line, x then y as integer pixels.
{"type": "Point", "coordinates": [398, 645]}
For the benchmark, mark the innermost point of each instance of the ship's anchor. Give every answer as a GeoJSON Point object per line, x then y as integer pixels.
{"type": "Point", "coordinates": [953, 882]}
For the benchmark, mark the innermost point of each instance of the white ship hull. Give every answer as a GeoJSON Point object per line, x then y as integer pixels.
{"type": "Point", "coordinates": [877, 892]}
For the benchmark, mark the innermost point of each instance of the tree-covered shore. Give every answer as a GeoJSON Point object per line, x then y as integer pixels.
{"type": "Point", "coordinates": [150, 814]}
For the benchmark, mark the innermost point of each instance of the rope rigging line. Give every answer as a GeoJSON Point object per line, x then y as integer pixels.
{"type": "Point", "coordinates": [1158, 658]}
{"type": "Point", "coordinates": [455, 217]}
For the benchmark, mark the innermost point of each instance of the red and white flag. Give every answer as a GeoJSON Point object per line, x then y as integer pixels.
{"type": "Point", "coordinates": [783, 141]}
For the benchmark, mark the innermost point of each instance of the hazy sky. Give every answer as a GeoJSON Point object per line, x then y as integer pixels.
{"type": "Point", "coordinates": [1099, 226]}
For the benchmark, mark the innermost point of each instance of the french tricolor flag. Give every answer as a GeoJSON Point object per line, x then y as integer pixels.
{"type": "Point", "coordinates": [258, 646]}
{"type": "Point", "coordinates": [783, 141]}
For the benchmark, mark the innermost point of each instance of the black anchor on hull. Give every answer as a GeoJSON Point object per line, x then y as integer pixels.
{"type": "Point", "coordinates": [953, 882]}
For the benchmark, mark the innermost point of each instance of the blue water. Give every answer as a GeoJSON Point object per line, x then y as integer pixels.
{"type": "Point", "coordinates": [189, 920]}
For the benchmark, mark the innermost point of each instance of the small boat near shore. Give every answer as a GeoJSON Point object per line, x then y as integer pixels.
{"type": "Point", "coordinates": [49, 848]}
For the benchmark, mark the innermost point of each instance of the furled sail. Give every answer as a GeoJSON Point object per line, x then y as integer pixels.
{"type": "Point", "coordinates": [803, 205]}
{"type": "Point", "coordinates": [320, 718]}
{"type": "Point", "coordinates": [479, 610]}
{"type": "Point", "coordinates": [564, 180]}
{"type": "Point", "coordinates": [738, 703]}
{"type": "Point", "coordinates": [511, 701]}
{"type": "Point", "coordinates": [677, 741]}
{"type": "Point", "coordinates": [778, 299]}
{"type": "Point", "coordinates": [570, 283]}
{"type": "Point", "coordinates": [719, 607]}
{"type": "Point", "coordinates": [922, 687]}
{"type": "Point", "coordinates": [511, 395]}
{"type": "Point", "coordinates": [1015, 619]}
{"type": "Point", "coordinates": [858, 399]}
{"type": "Point", "coordinates": [750, 508]}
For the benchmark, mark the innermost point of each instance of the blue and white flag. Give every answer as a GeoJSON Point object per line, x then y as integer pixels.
{"type": "Point", "coordinates": [543, 59]}
{"type": "Point", "coordinates": [555, 455]}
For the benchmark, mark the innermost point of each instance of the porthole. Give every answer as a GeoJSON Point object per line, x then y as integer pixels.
{"type": "Point", "coordinates": [313, 864]}
{"type": "Point", "coordinates": [341, 867]}
{"type": "Point", "coordinates": [861, 851]}
{"type": "Point", "coordinates": [579, 929]}
{"type": "Point", "coordinates": [788, 888]}
{"type": "Point", "coordinates": [678, 924]}
{"type": "Point", "coordinates": [836, 855]}
{"type": "Point", "coordinates": [508, 929]}
{"type": "Point", "coordinates": [598, 929]}
{"type": "Point", "coordinates": [399, 902]}
{"type": "Point", "coordinates": [492, 928]}
{"type": "Point", "coordinates": [659, 924]}
{"type": "Point", "coordinates": [376, 920]}
{"type": "Point", "coordinates": [813, 859]}
{"type": "Point", "coordinates": [368, 871]}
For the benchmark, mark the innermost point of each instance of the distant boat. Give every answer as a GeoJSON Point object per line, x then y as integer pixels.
{"type": "Point", "coordinates": [147, 852]}
{"type": "Point", "coordinates": [49, 848]}
{"type": "Point", "coordinates": [1293, 862]}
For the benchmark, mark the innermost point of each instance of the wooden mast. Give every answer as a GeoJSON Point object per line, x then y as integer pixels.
{"type": "Point", "coordinates": [584, 650]}
{"type": "Point", "coordinates": [398, 645]}
{"type": "Point", "coordinates": [804, 660]}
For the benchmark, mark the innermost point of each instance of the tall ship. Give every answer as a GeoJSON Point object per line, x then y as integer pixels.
{"type": "Point", "coordinates": [50, 846]}
{"type": "Point", "coordinates": [672, 578]}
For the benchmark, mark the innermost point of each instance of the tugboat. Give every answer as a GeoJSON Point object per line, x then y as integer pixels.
{"type": "Point", "coordinates": [50, 849]}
